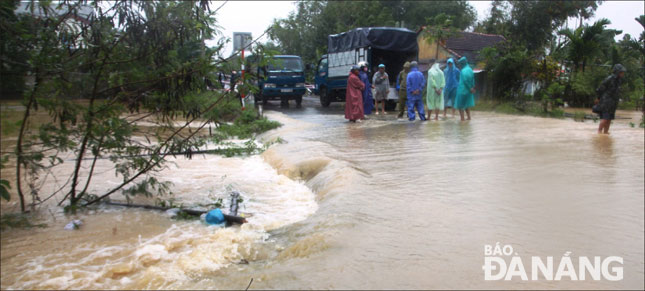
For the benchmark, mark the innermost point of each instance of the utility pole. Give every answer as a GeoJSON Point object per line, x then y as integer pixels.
{"type": "Point", "coordinates": [240, 41]}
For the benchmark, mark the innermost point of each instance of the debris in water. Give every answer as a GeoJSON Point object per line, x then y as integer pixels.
{"type": "Point", "coordinates": [74, 224]}
{"type": "Point", "coordinates": [172, 212]}
{"type": "Point", "coordinates": [247, 287]}
{"type": "Point", "coordinates": [234, 203]}
{"type": "Point", "coordinates": [228, 218]}
{"type": "Point", "coordinates": [215, 216]}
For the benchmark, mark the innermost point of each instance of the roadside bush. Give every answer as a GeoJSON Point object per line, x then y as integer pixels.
{"type": "Point", "coordinates": [247, 125]}
{"type": "Point", "coordinates": [583, 87]}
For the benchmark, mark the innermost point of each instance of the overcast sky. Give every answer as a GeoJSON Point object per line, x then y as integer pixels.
{"type": "Point", "coordinates": [256, 16]}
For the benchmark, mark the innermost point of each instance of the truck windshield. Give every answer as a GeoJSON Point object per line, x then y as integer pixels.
{"type": "Point", "coordinates": [285, 64]}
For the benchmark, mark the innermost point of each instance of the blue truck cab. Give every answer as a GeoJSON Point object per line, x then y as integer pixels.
{"type": "Point", "coordinates": [282, 79]}
{"type": "Point", "coordinates": [329, 88]}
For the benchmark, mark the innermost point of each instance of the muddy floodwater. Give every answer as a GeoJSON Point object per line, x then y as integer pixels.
{"type": "Point", "coordinates": [381, 204]}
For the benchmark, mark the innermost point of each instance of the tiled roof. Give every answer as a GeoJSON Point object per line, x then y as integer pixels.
{"type": "Point", "coordinates": [469, 44]}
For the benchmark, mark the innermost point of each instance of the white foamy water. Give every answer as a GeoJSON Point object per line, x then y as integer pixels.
{"type": "Point", "coordinates": [155, 251]}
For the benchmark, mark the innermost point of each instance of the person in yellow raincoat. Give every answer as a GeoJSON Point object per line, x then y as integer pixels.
{"type": "Point", "coordinates": [434, 95]}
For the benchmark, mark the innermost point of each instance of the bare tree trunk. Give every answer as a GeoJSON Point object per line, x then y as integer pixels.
{"type": "Point", "coordinates": [19, 158]}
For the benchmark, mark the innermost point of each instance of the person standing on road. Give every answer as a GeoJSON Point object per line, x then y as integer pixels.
{"type": "Point", "coordinates": [465, 92]}
{"type": "Point", "coordinates": [382, 85]}
{"type": "Point", "coordinates": [354, 96]}
{"type": "Point", "coordinates": [401, 87]}
{"type": "Point", "coordinates": [451, 74]}
{"type": "Point", "coordinates": [415, 85]}
{"type": "Point", "coordinates": [608, 97]}
{"type": "Point", "coordinates": [434, 95]}
{"type": "Point", "coordinates": [368, 100]}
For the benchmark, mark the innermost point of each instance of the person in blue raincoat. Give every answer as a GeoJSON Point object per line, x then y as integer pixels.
{"type": "Point", "coordinates": [451, 74]}
{"type": "Point", "coordinates": [415, 85]}
{"type": "Point", "coordinates": [465, 92]}
{"type": "Point", "coordinates": [368, 100]}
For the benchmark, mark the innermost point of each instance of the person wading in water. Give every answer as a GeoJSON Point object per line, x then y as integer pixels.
{"type": "Point", "coordinates": [354, 96]}
{"type": "Point", "coordinates": [415, 85]}
{"type": "Point", "coordinates": [451, 75]}
{"type": "Point", "coordinates": [368, 100]}
{"type": "Point", "coordinates": [402, 88]}
{"type": "Point", "coordinates": [465, 98]}
{"type": "Point", "coordinates": [608, 97]}
{"type": "Point", "coordinates": [382, 85]}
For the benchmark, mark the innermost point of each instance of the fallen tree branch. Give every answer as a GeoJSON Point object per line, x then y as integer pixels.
{"type": "Point", "coordinates": [229, 218]}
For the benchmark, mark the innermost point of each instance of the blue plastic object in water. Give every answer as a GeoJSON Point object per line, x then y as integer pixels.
{"type": "Point", "coordinates": [215, 216]}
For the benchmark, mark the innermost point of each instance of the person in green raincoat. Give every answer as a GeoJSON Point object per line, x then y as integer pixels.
{"type": "Point", "coordinates": [434, 95]}
{"type": "Point", "coordinates": [466, 89]}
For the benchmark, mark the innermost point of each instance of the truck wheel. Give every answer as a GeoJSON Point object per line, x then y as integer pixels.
{"type": "Point", "coordinates": [299, 101]}
{"type": "Point", "coordinates": [324, 98]}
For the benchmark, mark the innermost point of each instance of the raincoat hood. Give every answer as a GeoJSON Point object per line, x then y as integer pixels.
{"type": "Point", "coordinates": [450, 61]}
{"type": "Point", "coordinates": [619, 68]}
{"type": "Point", "coordinates": [435, 68]}
{"type": "Point", "coordinates": [462, 62]}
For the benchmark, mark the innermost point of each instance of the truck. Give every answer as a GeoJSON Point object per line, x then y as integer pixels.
{"type": "Point", "coordinates": [283, 78]}
{"type": "Point", "coordinates": [391, 46]}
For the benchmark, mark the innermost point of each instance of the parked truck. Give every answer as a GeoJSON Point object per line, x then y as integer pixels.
{"type": "Point", "coordinates": [390, 46]}
{"type": "Point", "coordinates": [283, 78]}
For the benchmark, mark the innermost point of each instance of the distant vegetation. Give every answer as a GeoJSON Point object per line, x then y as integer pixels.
{"type": "Point", "coordinates": [94, 76]}
{"type": "Point", "coordinates": [568, 64]}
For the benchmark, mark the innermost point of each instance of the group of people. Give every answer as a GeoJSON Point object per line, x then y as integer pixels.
{"type": "Point", "coordinates": [451, 88]}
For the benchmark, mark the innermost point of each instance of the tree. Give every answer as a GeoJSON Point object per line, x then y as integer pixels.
{"type": "Point", "coordinates": [438, 30]}
{"type": "Point", "coordinates": [532, 23]}
{"type": "Point", "coordinates": [131, 61]}
{"type": "Point", "coordinates": [313, 21]}
{"type": "Point", "coordinates": [509, 66]}
{"type": "Point", "coordinates": [11, 71]}
{"type": "Point", "coordinates": [498, 19]}
{"type": "Point", "coordinates": [639, 45]}
{"type": "Point", "coordinates": [586, 42]}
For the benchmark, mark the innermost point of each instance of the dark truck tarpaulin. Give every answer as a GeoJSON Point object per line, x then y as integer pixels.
{"type": "Point", "coordinates": [384, 38]}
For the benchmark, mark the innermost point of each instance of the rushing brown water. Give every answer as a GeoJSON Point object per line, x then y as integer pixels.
{"type": "Point", "coordinates": [379, 205]}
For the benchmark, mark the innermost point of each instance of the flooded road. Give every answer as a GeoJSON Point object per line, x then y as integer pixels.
{"type": "Point", "coordinates": [381, 204]}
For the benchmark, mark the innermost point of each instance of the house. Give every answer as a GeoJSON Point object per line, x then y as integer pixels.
{"type": "Point", "coordinates": [461, 44]}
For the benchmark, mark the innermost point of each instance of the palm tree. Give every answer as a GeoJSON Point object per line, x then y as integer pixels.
{"type": "Point", "coordinates": [639, 44]}
{"type": "Point", "coordinates": [584, 43]}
